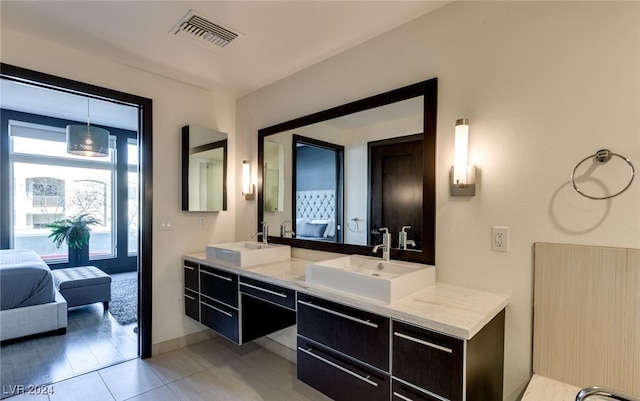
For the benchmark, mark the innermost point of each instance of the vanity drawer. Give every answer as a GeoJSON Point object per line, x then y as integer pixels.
{"type": "Point", "coordinates": [192, 304]}
{"type": "Point", "coordinates": [220, 318]}
{"type": "Point", "coordinates": [339, 377]}
{"type": "Point", "coordinates": [268, 292]}
{"type": "Point", "coordinates": [191, 275]}
{"type": "Point", "coordinates": [219, 285]}
{"type": "Point", "coordinates": [362, 335]}
{"type": "Point", "coordinates": [429, 360]}
{"type": "Point", "coordinates": [403, 392]}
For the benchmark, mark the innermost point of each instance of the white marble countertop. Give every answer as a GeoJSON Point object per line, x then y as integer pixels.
{"type": "Point", "coordinates": [456, 311]}
{"type": "Point", "coordinates": [542, 388]}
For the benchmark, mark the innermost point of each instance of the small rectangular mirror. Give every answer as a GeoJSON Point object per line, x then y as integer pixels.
{"type": "Point", "coordinates": [204, 169]}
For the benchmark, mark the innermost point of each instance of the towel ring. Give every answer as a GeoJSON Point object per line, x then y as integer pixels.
{"type": "Point", "coordinates": [355, 221]}
{"type": "Point", "coordinates": [602, 156]}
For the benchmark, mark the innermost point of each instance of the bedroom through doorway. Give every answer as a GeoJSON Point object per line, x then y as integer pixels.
{"type": "Point", "coordinates": [51, 185]}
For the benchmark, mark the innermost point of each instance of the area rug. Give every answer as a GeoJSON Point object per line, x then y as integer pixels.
{"type": "Point", "coordinates": [124, 300]}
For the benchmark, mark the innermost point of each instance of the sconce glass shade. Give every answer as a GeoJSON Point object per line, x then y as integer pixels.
{"type": "Point", "coordinates": [463, 175]}
{"type": "Point", "coordinates": [247, 187]}
{"type": "Point", "coordinates": [84, 140]}
{"type": "Point", "coordinates": [461, 151]}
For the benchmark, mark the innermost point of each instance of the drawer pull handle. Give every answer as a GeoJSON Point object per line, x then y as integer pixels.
{"type": "Point", "coordinates": [219, 310]}
{"type": "Point", "coordinates": [217, 275]}
{"type": "Point", "coordinates": [423, 342]}
{"type": "Point", "coordinates": [355, 319]}
{"type": "Point", "coordinates": [335, 365]}
{"type": "Point", "coordinates": [402, 397]}
{"type": "Point", "coordinates": [190, 297]}
{"type": "Point", "coordinates": [189, 267]}
{"type": "Point", "coordinates": [280, 294]}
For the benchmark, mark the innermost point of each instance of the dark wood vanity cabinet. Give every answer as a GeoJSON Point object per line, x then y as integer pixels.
{"type": "Point", "coordinates": [359, 334]}
{"type": "Point", "coordinates": [343, 352]}
{"type": "Point", "coordinates": [338, 376]}
{"type": "Point", "coordinates": [427, 365]}
{"type": "Point", "coordinates": [238, 308]}
{"type": "Point", "coordinates": [219, 302]}
{"type": "Point", "coordinates": [191, 290]}
{"type": "Point", "coordinates": [219, 285]}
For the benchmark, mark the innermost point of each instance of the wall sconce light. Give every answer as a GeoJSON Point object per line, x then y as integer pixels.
{"type": "Point", "coordinates": [247, 185]}
{"type": "Point", "coordinates": [85, 140]}
{"type": "Point", "coordinates": [463, 175]}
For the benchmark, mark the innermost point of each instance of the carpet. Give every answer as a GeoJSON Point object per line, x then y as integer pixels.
{"type": "Point", "coordinates": [124, 300]}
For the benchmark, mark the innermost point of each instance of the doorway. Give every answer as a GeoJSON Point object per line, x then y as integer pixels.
{"type": "Point", "coordinates": [144, 183]}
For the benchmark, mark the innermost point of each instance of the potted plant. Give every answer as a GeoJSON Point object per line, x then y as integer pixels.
{"type": "Point", "coordinates": [76, 232]}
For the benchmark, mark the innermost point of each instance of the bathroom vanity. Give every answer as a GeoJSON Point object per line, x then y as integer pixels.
{"type": "Point", "coordinates": [441, 343]}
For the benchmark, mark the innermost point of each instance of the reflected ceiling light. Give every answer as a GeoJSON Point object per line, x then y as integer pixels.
{"type": "Point", "coordinates": [85, 140]}
{"type": "Point", "coordinates": [463, 180]}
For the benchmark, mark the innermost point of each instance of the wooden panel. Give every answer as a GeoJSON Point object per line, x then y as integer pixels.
{"type": "Point", "coordinates": [586, 316]}
{"type": "Point", "coordinates": [633, 262]}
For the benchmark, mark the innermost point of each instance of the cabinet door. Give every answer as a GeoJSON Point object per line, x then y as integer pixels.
{"type": "Point", "coordinates": [362, 335]}
{"type": "Point", "coordinates": [220, 318]}
{"type": "Point", "coordinates": [402, 392]}
{"type": "Point", "coordinates": [192, 304]}
{"type": "Point", "coordinates": [270, 292]}
{"type": "Point", "coordinates": [191, 275]}
{"type": "Point", "coordinates": [429, 360]}
{"type": "Point", "coordinates": [219, 285]}
{"type": "Point", "coordinates": [339, 377]}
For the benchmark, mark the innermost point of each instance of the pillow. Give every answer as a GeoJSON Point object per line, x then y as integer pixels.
{"type": "Point", "coordinates": [312, 230]}
{"type": "Point", "coordinates": [331, 227]}
{"type": "Point", "coordinates": [300, 223]}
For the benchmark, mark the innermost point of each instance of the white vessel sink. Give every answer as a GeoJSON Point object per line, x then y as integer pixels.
{"type": "Point", "coordinates": [247, 253]}
{"type": "Point", "coordinates": [370, 277]}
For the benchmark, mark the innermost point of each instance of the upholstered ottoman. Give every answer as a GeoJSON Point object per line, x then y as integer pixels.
{"type": "Point", "coordinates": [83, 285]}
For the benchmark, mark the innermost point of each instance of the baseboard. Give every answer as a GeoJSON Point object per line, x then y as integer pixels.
{"type": "Point", "coordinates": [180, 342]}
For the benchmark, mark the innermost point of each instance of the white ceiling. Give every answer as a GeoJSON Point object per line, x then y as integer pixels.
{"type": "Point", "coordinates": [278, 38]}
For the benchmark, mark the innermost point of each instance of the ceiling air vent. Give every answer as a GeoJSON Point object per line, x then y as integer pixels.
{"type": "Point", "coordinates": [196, 26]}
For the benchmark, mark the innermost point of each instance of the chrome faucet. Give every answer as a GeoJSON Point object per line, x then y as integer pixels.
{"type": "Point", "coordinates": [386, 244]}
{"type": "Point", "coordinates": [604, 393]}
{"type": "Point", "coordinates": [264, 233]}
{"type": "Point", "coordinates": [402, 238]}
{"type": "Point", "coordinates": [283, 229]}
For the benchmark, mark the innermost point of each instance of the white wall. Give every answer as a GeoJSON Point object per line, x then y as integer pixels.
{"type": "Point", "coordinates": [174, 104]}
{"type": "Point", "coordinates": [544, 85]}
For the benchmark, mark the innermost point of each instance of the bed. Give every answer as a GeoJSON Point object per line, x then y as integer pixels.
{"type": "Point", "coordinates": [316, 215]}
{"type": "Point", "coordinates": [29, 302]}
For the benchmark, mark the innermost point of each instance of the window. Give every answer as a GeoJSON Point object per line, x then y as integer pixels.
{"type": "Point", "coordinates": [72, 185]}
{"type": "Point", "coordinates": [132, 198]}
{"type": "Point", "coordinates": [49, 184]}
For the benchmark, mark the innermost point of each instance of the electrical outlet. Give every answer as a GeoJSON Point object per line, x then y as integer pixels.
{"type": "Point", "coordinates": [500, 239]}
{"type": "Point", "coordinates": [201, 222]}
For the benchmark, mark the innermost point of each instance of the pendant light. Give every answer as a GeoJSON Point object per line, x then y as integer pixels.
{"type": "Point", "coordinates": [88, 141]}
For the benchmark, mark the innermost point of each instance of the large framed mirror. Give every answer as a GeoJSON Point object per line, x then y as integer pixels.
{"type": "Point", "coordinates": [204, 169]}
{"type": "Point", "coordinates": [349, 171]}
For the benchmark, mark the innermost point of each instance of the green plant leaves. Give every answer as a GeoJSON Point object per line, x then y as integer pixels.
{"type": "Point", "coordinates": [75, 231]}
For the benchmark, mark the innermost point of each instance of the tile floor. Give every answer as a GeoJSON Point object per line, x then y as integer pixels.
{"type": "Point", "coordinates": [212, 370]}
{"type": "Point", "coordinates": [93, 340]}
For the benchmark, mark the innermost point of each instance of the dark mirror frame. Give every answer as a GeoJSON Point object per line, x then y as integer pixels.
{"type": "Point", "coordinates": [428, 89]}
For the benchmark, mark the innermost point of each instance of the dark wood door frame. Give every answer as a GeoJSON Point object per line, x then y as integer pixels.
{"type": "Point", "coordinates": [145, 166]}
